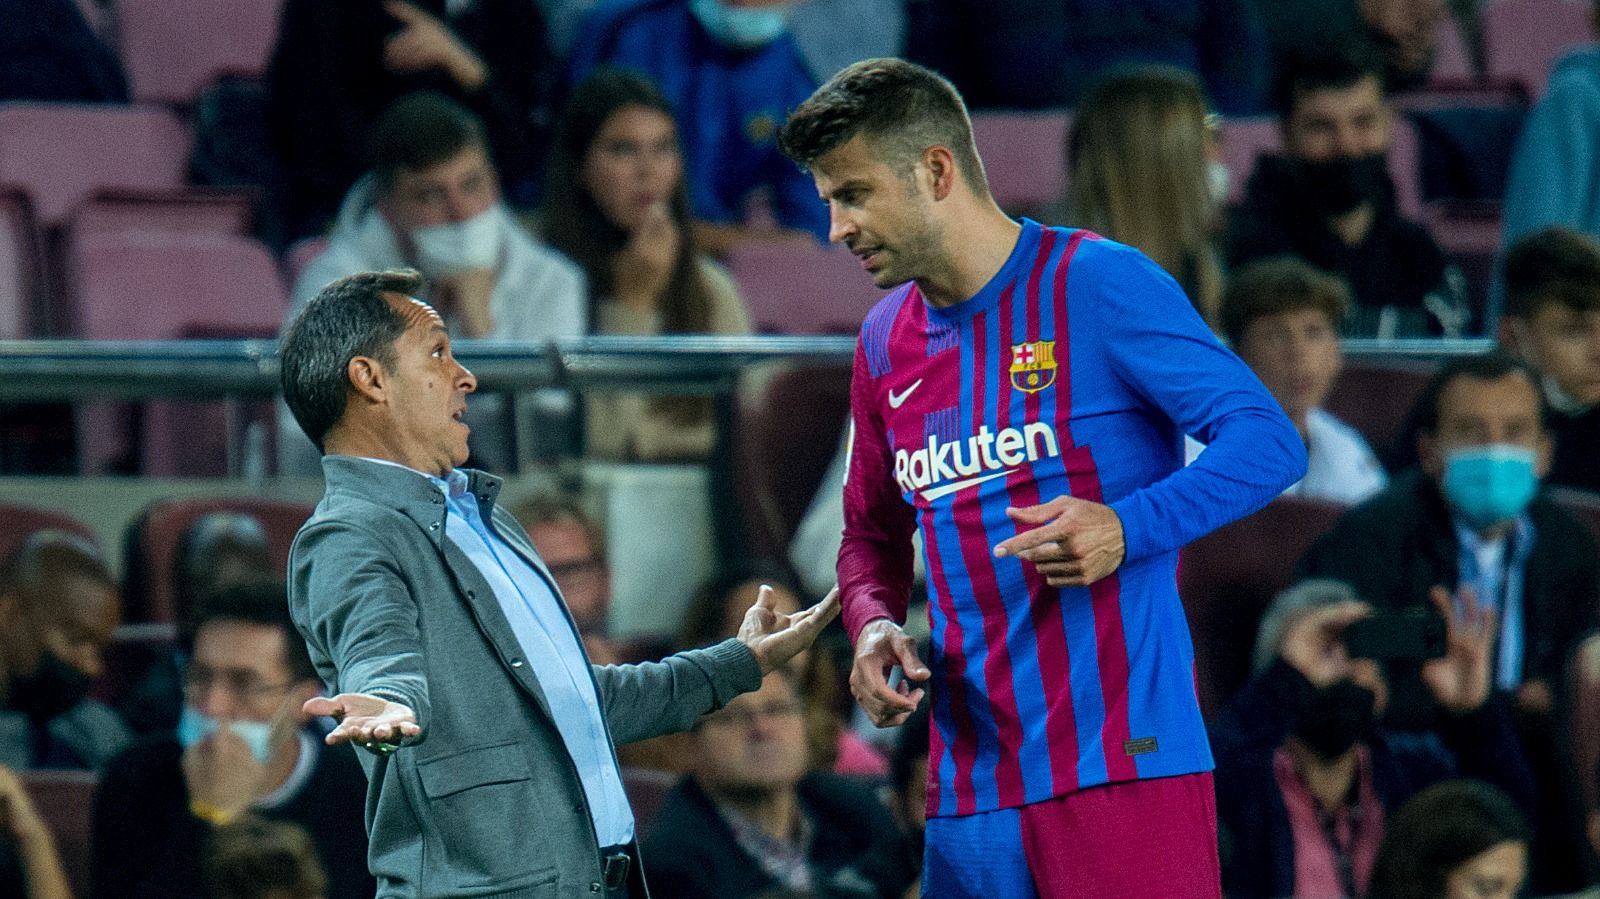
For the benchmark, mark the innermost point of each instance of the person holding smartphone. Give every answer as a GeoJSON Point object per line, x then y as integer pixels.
{"type": "Point", "coordinates": [1306, 776]}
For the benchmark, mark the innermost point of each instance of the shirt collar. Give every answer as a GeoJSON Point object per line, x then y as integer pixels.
{"type": "Point", "coordinates": [454, 484]}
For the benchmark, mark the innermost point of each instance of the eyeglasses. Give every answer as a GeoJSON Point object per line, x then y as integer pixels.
{"type": "Point", "coordinates": [198, 681]}
{"type": "Point", "coordinates": [582, 571]}
{"type": "Point", "coordinates": [744, 717]}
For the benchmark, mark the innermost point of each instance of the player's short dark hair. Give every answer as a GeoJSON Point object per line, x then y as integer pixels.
{"type": "Point", "coordinates": [1336, 66]}
{"type": "Point", "coordinates": [265, 603]}
{"type": "Point", "coordinates": [898, 106]}
{"type": "Point", "coordinates": [256, 858]}
{"type": "Point", "coordinates": [1552, 266]}
{"type": "Point", "coordinates": [1277, 285]}
{"type": "Point", "coordinates": [1490, 366]}
{"type": "Point", "coordinates": [419, 130]}
{"type": "Point", "coordinates": [348, 318]}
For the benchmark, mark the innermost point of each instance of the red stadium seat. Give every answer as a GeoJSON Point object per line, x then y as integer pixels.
{"type": "Point", "coordinates": [17, 522]}
{"type": "Point", "coordinates": [799, 287]}
{"type": "Point", "coordinates": [1585, 720]}
{"type": "Point", "coordinates": [1452, 62]}
{"type": "Point", "coordinates": [19, 265]}
{"type": "Point", "coordinates": [1245, 140]}
{"type": "Point", "coordinates": [174, 49]}
{"type": "Point", "coordinates": [60, 154]}
{"type": "Point", "coordinates": [1522, 39]}
{"type": "Point", "coordinates": [1228, 577]}
{"type": "Point", "coordinates": [1376, 398]}
{"type": "Point", "coordinates": [153, 545]}
{"type": "Point", "coordinates": [300, 256]}
{"type": "Point", "coordinates": [1024, 156]}
{"type": "Point", "coordinates": [782, 445]}
{"type": "Point", "coordinates": [65, 800]}
{"type": "Point", "coordinates": [129, 655]}
{"type": "Point", "coordinates": [185, 210]}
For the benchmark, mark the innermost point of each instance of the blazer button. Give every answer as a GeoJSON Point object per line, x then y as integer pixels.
{"type": "Point", "coordinates": [471, 595]}
{"type": "Point", "coordinates": [434, 526]}
{"type": "Point", "coordinates": [516, 663]}
{"type": "Point", "coordinates": [595, 887]}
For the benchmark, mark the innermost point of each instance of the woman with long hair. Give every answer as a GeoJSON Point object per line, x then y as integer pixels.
{"type": "Point", "coordinates": [1140, 171]}
{"type": "Point", "coordinates": [616, 203]}
{"type": "Point", "coordinates": [1460, 839]}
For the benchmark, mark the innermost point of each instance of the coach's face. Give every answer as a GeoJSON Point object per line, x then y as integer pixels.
{"type": "Point", "coordinates": [886, 217]}
{"type": "Point", "coordinates": [426, 393]}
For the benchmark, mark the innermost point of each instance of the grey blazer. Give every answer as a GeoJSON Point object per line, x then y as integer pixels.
{"type": "Point", "coordinates": [487, 802]}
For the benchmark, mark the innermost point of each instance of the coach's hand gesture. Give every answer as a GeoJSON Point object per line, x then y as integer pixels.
{"type": "Point", "coordinates": [1075, 543]}
{"type": "Point", "coordinates": [774, 637]}
{"type": "Point", "coordinates": [372, 722]}
{"type": "Point", "coordinates": [881, 646]}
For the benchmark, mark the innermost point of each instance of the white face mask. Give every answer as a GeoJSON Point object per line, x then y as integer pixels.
{"type": "Point", "coordinates": [443, 250]}
{"type": "Point", "coordinates": [1218, 182]}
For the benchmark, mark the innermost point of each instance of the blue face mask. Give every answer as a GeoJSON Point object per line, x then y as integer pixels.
{"type": "Point", "coordinates": [193, 726]}
{"type": "Point", "coordinates": [1490, 484]}
{"type": "Point", "coordinates": [739, 28]}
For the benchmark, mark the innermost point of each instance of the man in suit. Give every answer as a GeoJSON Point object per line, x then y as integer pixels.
{"type": "Point", "coordinates": [452, 658]}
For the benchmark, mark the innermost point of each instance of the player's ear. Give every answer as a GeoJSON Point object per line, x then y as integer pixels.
{"type": "Point", "coordinates": [941, 167]}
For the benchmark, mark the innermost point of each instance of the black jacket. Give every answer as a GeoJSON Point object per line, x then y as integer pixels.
{"type": "Point", "coordinates": [1576, 462]}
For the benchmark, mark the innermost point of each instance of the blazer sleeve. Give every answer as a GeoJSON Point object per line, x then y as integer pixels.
{"type": "Point", "coordinates": [655, 698]}
{"type": "Point", "coordinates": [353, 606]}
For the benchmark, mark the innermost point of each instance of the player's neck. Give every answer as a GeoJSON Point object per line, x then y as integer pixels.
{"type": "Point", "coordinates": [976, 247]}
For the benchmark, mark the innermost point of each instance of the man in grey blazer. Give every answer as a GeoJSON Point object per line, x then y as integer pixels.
{"type": "Point", "coordinates": [451, 657]}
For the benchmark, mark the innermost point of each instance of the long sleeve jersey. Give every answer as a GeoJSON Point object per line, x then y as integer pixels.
{"type": "Point", "coordinates": [1076, 371]}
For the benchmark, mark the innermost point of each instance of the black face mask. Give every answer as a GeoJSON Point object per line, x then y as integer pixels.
{"type": "Point", "coordinates": [1336, 186]}
{"type": "Point", "coordinates": [53, 688]}
{"type": "Point", "coordinates": [1335, 719]}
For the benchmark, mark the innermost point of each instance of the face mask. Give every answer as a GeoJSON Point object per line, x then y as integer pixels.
{"type": "Point", "coordinates": [54, 688]}
{"type": "Point", "coordinates": [1337, 717]}
{"type": "Point", "coordinates": [1217, 182]}
{"type": "Point", "coordinates": [739, 28]}
{"type": "Point", "coordinates": [194, 726]}
{"type": "Point", "coordinates": [1336, 186]}
{"type": "Point", "coordinates": [443, 250]}
{"type": "Point", "coordinates": [1490, 484]}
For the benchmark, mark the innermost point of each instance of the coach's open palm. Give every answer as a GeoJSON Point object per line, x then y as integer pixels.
{"type": "Point", "coordinates": [774, 637]}
{"type": "Point", "coordinates": [371, 722]}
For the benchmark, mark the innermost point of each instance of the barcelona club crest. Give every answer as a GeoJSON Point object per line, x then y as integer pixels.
{"type": "Point", "coordinates": [1033, 365]}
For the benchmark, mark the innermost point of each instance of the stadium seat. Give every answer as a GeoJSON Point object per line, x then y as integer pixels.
{"type": "Point", "coordinates": [150, 285]}
{"type": "Point", "coordinates": [1522, 39]}
{"type": "Point", "coordinates": [129, 655]}
{"type": "Point", "coordinates": [1244, 140]}
{"type": "Point", "coordinates": [1228, 577]}
{"type": "Point", "coordinates": [60, 154]}
{"type": "Point", "coordinates": [17, 522]}
{"type": "Point", "coordinates": [1376, 398]}
{"type": "Point", "coordinates": [646, 789]}
{"type": "Point", "coordinates": [299, 257]}
{"type": "Point", "coordinates": [174, 49]}
{"type": "Point", "coordinates": [19, 265]}
{"type": "Point", "coordinates": [1452, 62]}
{"type": "Point", "coordinates": [186, 210]}
{"type": "Point", "coordinates": [65, 800]}
{"type": "Point", "coordinates": [1024, 156]}
{"type": "Point", "coordinates": [799, 287]}
{"type": "Point", "coordinates": [1584, 720]}
{"type": "Point", "coordinates": [152, 546]}
{"type": "Point", "coordinates": [783, 443]}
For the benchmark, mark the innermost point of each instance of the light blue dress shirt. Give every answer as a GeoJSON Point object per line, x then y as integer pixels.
{"type": "Point", "coordinates": [1500, 588]}
{"type": "Point", "coordinates": [555, 655]}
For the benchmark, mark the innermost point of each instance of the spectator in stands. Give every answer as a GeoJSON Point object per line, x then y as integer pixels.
{"type": "Point", "coordinates": [1405, 33]}
{"type": "Point", "coordinates": [59, 609]}
{"type": "Point", "coordinates": [218, 550]}
{"type": "Point", "coordinates": [1138, 171]}
{"type": "Point", "coordinates": [749, 817]}
{"type": "Point", "coordinates": [617, 204]}
{"type": "Point", "coordinates": [1330, 201]}
{"type": "Point", "coordinates": [1306, 781]}
{"type": "Point", "coordinates": [49, 52]}
{"type": "Point", "coordinates": [1458, 840]}
{"type": "Point", "coordinates": [573, 548]}
{"type": "Point", "coordinates": [1024, 54]}
{"type": "Point", "coordinates": [1552, 321]}
{"type": "Point", "coordinates": [432, 202]}
{"type": "Point", "coordinates": [892, 869]}
{"type": "Point", "coordinates": [29, 865]}
{"type": "Point", "coordinates": [337, 66]}
{"type": "Point", "coordinates": [1282, 316]}
{"type": "Point", "coordinates": [242, 747]}
{"type": "Point", "coordinates": [1555, 170]}
{"type": "Point", "coordinates": [254, 858]}
{"type": "Point", "coordinates": [732, 72]}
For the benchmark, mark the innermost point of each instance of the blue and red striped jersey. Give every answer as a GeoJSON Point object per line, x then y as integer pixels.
{"type": "Point", "coordinates": [1076, 371]}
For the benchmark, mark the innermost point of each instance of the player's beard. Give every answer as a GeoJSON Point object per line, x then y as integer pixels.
{"type": "Point", "coordinates": [920, 255]}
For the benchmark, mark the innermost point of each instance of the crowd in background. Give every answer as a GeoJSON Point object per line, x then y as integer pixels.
{"type": "Point", "coordinates": [558, 168]}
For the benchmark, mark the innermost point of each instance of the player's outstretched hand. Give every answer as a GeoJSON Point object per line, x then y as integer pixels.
{"type": "Point", "coordinates": [371, 722]}
{"type": "Point", "coordinates": [881, 646]}
{"type": "Point", "coordinates": [1073, 544]}
{"type": "Point", "coordinates": [774, 637]}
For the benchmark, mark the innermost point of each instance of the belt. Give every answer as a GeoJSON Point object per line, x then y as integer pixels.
{"type": "Point", "coordinates": [615, 862]}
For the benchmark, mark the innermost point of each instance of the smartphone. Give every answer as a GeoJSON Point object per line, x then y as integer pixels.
{"type": "Point", "coordinates": [1411, 634]}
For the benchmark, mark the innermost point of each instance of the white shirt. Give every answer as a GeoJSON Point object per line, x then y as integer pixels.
{"type": "Point", "coordinates": [1340, 466]}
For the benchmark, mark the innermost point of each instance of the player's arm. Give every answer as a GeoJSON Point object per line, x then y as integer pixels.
{"type": "Point", "coordinates": [875, 562]}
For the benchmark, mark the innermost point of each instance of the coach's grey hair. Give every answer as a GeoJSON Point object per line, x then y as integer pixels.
{"type": "Point", "coordinates": [1286, 606]}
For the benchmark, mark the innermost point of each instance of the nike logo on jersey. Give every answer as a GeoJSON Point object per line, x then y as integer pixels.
{"type": "Point", "coordinates": [896, 400]}
{"type": "Point", "coordinates": [940, 469]}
